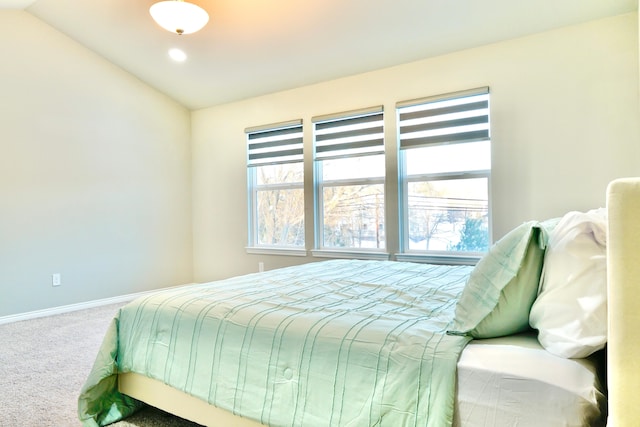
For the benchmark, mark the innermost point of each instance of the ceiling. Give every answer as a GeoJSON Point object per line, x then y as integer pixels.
{"type": "Point", "coordinates": [255, 47]}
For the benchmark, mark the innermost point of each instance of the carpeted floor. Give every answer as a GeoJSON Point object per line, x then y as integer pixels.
{"type": "Point", "coordinates": [44, 363]}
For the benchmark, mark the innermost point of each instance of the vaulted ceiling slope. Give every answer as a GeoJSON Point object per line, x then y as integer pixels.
{"type": "Point", "coordinates": [255, 47]}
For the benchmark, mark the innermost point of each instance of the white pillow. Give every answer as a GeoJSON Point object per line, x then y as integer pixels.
{"type": "Point", "coordinates": [570, 311]}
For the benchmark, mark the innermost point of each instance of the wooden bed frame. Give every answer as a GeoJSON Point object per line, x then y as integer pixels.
{"type": "Point", "coordinates": [623, 350]}
{"type": "Point", "coordinates": [179, 403]}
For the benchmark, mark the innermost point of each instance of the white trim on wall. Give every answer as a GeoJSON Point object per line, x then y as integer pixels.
{"type": "Point", "coordinates": [79, 306]}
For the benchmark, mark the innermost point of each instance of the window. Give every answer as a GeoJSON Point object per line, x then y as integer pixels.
{"type": "Point", "coordinates": [275, 180]}
{"type": "Point", "coordinates": [445, 167]}
{"type": "Point", "coordinates": [349, 181]}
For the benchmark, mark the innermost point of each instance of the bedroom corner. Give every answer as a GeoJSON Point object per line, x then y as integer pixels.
{"type": "Point", "coordinates": [95, 181]}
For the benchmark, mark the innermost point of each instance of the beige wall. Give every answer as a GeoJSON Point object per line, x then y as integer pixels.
{"type": "Point", "coordinates": [97, 169]}
{"type": "Point", "coordinates": [95, 175]}
{"type": "Point", "coordinates": [565, 121]}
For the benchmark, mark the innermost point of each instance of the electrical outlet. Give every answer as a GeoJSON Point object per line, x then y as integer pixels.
{"type": "Point", "coordinates": [261, 266]}
{"type": "Point", "coordinates": [56, 279]}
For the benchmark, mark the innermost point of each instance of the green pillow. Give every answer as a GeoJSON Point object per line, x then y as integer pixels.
{"type": "Point", "coordinates": [502, 287]}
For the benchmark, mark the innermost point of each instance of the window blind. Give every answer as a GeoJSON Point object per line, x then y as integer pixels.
{"type": "Point", "coordinates": [275, 144]}
{"type": "Point", "coordinates": [355, 133]}
{"type": "Point", "coordinates": [447, 119]}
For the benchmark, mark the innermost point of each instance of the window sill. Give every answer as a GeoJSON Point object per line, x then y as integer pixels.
{"type": "Point", "coordinates": [446, 259]}
{"type": "Point", "coordinates": [260, 250]}
{"type": "Point", "coordinates": [329, 253]}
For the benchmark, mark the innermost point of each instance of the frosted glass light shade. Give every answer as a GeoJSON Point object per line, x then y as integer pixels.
{"type": "Point", "coordinates": [179, 16]}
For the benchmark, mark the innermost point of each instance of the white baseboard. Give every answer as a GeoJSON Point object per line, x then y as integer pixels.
{"type": "Point", "coordinates": [75, 307]}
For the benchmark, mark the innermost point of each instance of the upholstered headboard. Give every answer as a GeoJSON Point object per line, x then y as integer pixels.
{"type": "Point", "coordinates": [623, 258]}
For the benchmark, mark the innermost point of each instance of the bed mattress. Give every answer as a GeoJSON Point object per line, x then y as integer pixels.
{"type": "Point", "coordinates": [502, 382]}
{"type": "Point", "coordinates": [513, 381]}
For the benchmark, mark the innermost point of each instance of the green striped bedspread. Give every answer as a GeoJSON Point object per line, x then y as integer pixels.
{"type": "Point", "coordinates": [334, 343]}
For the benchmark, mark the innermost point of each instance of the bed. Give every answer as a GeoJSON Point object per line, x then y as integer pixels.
{"type": "Point", "coordinates": [349, 342]}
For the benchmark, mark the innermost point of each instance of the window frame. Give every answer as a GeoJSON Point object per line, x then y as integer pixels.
{"type": "Point", "coordinates": [253, 188]}
{"type": "Point", "coordinates": [319, 185]}
{"type": "Point", "coordinates": [436, 256]}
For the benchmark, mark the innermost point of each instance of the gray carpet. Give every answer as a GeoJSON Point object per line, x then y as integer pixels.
{"type": "Point", "coordinates": [44, 363]}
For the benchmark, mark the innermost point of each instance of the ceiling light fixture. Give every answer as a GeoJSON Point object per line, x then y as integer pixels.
{"type": "Point", "coordinates": [177, 55]}
{"type": "Point", "coordinates": [179, 16]}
